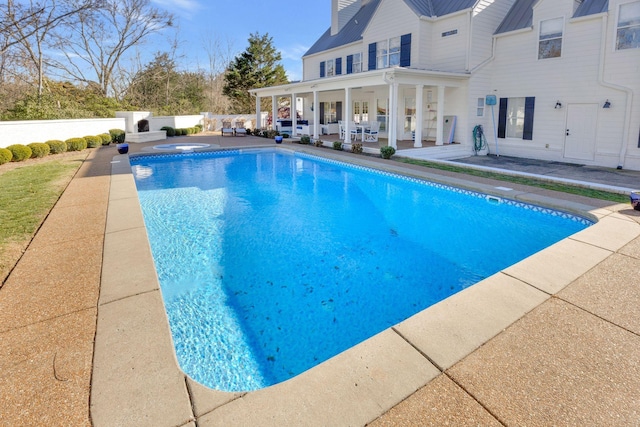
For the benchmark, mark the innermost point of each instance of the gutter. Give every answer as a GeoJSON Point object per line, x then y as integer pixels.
{"type": "Point", "coordinates": [628, 91]}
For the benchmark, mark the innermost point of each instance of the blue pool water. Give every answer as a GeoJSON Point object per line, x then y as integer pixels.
{"type": "Point", "coordinates": [270, 263]}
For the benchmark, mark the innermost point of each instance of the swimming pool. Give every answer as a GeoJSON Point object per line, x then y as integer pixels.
{"type": "Point", "coordinates": [287, 260]}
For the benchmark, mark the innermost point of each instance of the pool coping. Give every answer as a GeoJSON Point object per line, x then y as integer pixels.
{"type": "Point", "coordinates": [136, 378]}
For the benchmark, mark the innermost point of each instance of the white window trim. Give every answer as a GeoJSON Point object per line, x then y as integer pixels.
{"type": "Point", "coordinates": [561, 39]}
{"type": "Point", "coordinates": [388, 54]}
{"type": "Point", "coordinates": [617, 21]}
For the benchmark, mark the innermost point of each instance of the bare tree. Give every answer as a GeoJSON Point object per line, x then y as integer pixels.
{"type": "Point", "coordinates": [219, 55]}
{"type": "Point", "coordinates": [96, 43]}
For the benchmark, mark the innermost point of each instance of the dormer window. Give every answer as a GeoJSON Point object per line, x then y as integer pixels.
{"type": "Point", "coordinates": [550, 44]}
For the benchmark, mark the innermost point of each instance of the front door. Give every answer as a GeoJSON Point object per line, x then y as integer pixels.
{"type": "Point", "coordinates": [580, 132]}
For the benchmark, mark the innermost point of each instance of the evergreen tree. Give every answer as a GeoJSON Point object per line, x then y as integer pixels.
{"type": "Point", "coordinates": [256, 67]}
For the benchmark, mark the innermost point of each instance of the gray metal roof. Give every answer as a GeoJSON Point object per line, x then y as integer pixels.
{"type": "Point", "coordinates": [521, 13]}
{"type": "Point", "coordinates": [352, 30]}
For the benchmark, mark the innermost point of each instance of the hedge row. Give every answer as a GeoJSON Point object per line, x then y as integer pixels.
{"type": "Point", "coordinates": [20, 152]}
{"type": "Point", "coordinates": [182, 131]}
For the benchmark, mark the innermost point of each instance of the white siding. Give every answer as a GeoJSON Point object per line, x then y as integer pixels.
{"type": "Point", "coordinates": [449, 53]}
{"type": "Point", "coordinates": [392, 19]}
{"type": "Point", "coordinates": [487, 16]}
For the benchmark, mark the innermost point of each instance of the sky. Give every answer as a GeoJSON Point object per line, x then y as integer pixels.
{"type": "Point", "coordinates": [294, 26]}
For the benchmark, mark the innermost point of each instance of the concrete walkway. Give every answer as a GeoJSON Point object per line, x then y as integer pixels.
{"type": "Point", "coordinates": [560, 345]}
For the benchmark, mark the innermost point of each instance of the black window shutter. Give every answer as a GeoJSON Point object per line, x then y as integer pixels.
{"type": "Point", "coordinates": [322, 113]}
{"type": "Point", "coordinates": [322, 69]}
{"type": "Point", "coordinates": [339, 110]}
{"type": "Point", "coordinates": [405, 50]}
{"type": "Point", "coordinates": [349, 64]}
{"type": "Point", "coordinates": [372, 56]}
{"type": "Point", "coordinates": [529, 104]}
{"type": "Point", "coordinates": [502, 118]}
{"type": "Point", "coordinates": [338, 66]}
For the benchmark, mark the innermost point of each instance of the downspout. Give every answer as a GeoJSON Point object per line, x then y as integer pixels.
{"type": "Point", "coordinates": [628, 91]}
{"type": "Point", "coordinates": [468, 59]}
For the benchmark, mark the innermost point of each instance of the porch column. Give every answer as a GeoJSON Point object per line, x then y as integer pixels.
{"type": "Point", "coordinates": [346, 119]}
{"type": "Point", "coordinates": [294, 115]}
{"type": "Point", "coordinates": [417, 143]}
{"type": "Point", "coordinates": [274, 112]}
{"type": "Point", "coordinates": [393, 115]}
{"type": "Point", "coordinates": [440, 117]}
{"type": "Point", "coordinates": [258, 114]}
{"type": "Point", "coordinates": [316, 115]}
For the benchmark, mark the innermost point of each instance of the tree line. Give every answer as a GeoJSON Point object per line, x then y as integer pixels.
{"type": "Point", "coordinates": [80, 58]}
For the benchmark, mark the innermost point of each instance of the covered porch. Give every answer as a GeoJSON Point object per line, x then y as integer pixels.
{"type": "Point", "coordinates": [409, 106]}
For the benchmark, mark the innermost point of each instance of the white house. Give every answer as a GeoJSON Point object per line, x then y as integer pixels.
{"type": "Point", "coordinates": [563, 74]}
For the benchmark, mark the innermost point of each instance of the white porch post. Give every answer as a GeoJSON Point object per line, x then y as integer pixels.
{"type": "Point", "coordinates": [294, 115]}
{"type": "Point", "coordinates": [316, 115]}
{"type": "Point", "coordinates": [258, 114]}
{"type": "Point", "coordinates": [274, 112]}
{"type": "Point", "coordinates": [346, 119]}
{"type": "Point", "coordinates": [440, 117]}
{"type": "Point", "coordinates": [417, 143]}
{"type": "Point", "coordinates": [393, 115]}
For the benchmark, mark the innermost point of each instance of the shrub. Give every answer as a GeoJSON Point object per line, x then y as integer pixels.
{"type": "Point", "coordinates": [117, 136]}
{"type": "Point", "coordinates": [19, 152]}
{"type": "Point", "coordinates": [305, 139]}
{"type": "Point", "coordinates": [386, 152]}
{"type": "Point", "coordinates": [257, 132]}
{"type": "Point", "coordinates": [199, 128]}
{"type": "Point", "coordinates": [93, 141]}
{"type": "Point", "coordinates": [337, 145]}
{"type": "Point", "coordinates": [356, 147]}
{"type": "Point", "coordinates": [285, 135]}
{"type": "Point", "coordinates": [181, 131]}
{"type": "Point", "coordinates": [39, 149]}
{"type": "Point", "coordinates": [318, 143]}
{"type": "Point", "coordinates": [56, 146]}
{"type": "Point", "coordinates": [170, 131]}
{"type": "Point", "coordinates": [76, 144]}
{"type": "Point", "coordinates": [106, 138]}
{"type": "Point", "coordinates": [5, 156]}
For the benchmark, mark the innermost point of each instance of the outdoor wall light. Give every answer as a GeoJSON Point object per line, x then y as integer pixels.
{"type": "Point", "coordinates": [607, 104]}
{"type": "Point", "coordinates": [558, 105]}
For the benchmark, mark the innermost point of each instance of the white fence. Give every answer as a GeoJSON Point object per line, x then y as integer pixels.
{"type": "Point", "coordinates": [28, 131]}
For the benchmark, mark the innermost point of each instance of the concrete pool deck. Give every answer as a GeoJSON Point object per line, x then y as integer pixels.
{"type": "Point", "coordinates": [553, 339]}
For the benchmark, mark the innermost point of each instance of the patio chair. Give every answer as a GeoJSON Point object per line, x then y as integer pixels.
{"type": "Point", "coordinates": [371, 133]}
{"type": "Point", "coordinates": [355, 131]}
{"type": "Point", "coordinates": [226, 128]}
{"type": "Point", "coordinates": [240, 130]}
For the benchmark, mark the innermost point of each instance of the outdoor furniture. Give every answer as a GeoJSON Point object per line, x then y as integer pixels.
{"type": "Point", "coordinates": [355, 131]}
{"type": "Point", "coordinates": [240, 129]}
{"type": "Point", "coordinates": [371, 133]}
{"type": "Point", "coordinates": [226, 128]}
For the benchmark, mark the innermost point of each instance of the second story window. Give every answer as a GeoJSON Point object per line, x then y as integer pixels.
{"type": "Point", "coordinates": [356, 66]}
{"type": "Point", "coordinates": [330, 70]}
{"type": "Point", "coordinates": [388, 53]}
{"type": "Point", "coordinates": [628, 34]}
{"type": "Point", "coordinates": [550, 44]}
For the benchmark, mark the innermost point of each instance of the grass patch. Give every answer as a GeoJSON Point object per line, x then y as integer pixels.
{"type": "Point", "coordinates": [532, 182]}
{"type": "Point", "coordinates": [27, 194]}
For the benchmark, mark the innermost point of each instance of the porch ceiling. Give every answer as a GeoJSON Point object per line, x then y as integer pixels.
{"type": "Point", "coordinates": [403, 76]}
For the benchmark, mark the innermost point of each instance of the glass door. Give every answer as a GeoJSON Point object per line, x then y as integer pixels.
{"type": "Point", "coordinates": [360, 111]}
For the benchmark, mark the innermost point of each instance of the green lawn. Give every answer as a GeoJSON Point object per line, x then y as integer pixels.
{"type": "Point", "coordinates": [27, 194]}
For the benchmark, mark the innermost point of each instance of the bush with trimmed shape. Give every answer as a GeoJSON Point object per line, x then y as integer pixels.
{"type": "Point", "coordinates": [117, 136]}
{"type": "Point", "coordinates": [56, 146]}
{"type": "Point", "coordinates": [337, 145]}
{"type": "Point", "coordinates": [106, 138]}
{"type": "Point", "coordinates": [39, 149]}
{"type": "Point", "coordinates": [76, 144]}
{"type": "Point", "coordinates": [20, 152]}
{"type": "Point", "coordinates": [93, 141]}
{"type": "Point", "coordinates": [387, 151]}
{"type": "Point", "coordinates": [5, 156]}
{"type": "Point", "coordinates": [170, 131]}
